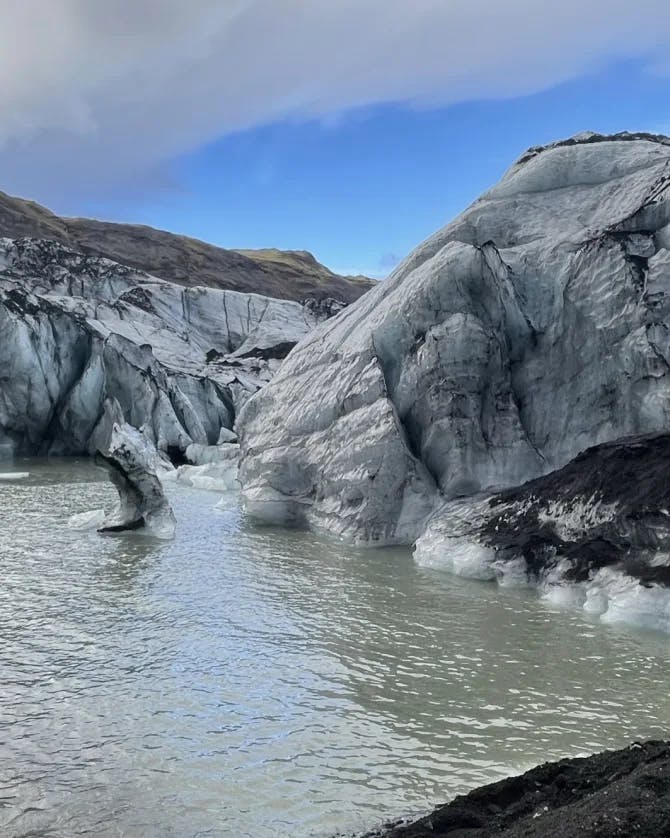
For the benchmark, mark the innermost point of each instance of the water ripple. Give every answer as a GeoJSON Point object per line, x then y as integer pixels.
{"type": "Point", "coordinates": [243, 681]}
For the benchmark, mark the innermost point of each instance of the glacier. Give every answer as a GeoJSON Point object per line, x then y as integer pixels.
{"type": "Point", "coordinates": [533, 326]}
{"type": "Point", "coordinates": [502, 401]}
{"type": "Point", "coordinates": [87, 342]}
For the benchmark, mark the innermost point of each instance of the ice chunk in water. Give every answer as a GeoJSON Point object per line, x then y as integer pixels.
{"type": "Point", "coordinates": [8, 476]}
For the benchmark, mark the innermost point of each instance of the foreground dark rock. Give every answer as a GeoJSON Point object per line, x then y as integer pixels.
{"type": "Point", "coordinates": [287, 275]}
{"type": "Point", "coordinates": [615, 794]}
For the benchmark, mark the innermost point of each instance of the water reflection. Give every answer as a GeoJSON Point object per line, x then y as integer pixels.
{"type": "Point", "coordinates": [131, 557]}
{"type": "Point", "coordinates": [485, 678]}
{"type": "Point", "coordinates": [257, 682]}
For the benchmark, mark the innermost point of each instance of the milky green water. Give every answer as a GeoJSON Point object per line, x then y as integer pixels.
{"type": "Point", "coordinates": [251, 682]}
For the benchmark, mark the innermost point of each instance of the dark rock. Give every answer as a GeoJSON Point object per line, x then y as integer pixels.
{"type": "Point", "coordinates": [614, 794]}
{"type": "Point", "coordinates": [594, 534]}
{"type": "Point", "coordinates": [610, 506]}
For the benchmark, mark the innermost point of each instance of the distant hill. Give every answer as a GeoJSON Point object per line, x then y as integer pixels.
{"type": "Point", "coordinates": [287, 275]}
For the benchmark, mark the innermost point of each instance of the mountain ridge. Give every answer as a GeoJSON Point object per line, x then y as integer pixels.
{"type": "Point", "coordinates": [288, 275]}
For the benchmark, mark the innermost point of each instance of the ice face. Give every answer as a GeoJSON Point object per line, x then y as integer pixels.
{"type": "Point", "coordinates": [530, 328]}
{"type": "Point", "coordinates": [79, 332]}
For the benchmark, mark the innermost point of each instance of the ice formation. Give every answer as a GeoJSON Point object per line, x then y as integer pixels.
{"type": "Point", "coordinates": [84, 521]}
{"type": "Point", "coordinates": [533, 326]}
{"type": "Point", "coordinates": [130, 460]}
{"type": "Point", "coordinates": [594, 535]}
{"type": "Point", "coordinates": [82, 332]}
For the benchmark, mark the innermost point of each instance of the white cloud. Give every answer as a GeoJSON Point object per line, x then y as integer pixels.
{"type": "Point", "coordinates": [93, 91]}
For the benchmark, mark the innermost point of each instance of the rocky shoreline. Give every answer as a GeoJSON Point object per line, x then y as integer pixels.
{"type": "Point", "coordinates": [608, 795]}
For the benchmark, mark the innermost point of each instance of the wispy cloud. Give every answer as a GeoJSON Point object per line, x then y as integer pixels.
{"type": "Point", "coordinates": [94, 92]}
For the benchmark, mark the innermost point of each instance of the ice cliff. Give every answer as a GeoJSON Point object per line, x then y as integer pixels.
{"type": "Point", "coordinates": [86, 342]}
{"type": "Point", "coordinates": [533, 326]}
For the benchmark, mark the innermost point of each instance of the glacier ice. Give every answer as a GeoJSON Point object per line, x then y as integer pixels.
{"type": "Point", "coordinates": [594, 535]}
{"type": "Point", "coordinates": [80, 332]}
{"type": "Point", "coordinates": [130, 461]}
{"type": "Point", "coordinates": [533, 326]}
{"type": "Point", "coordinates": [210, 467]}
{"type": "Point", "coordinates": [84, 521]}
{"type": "Point", "coordinates": [212, 477]}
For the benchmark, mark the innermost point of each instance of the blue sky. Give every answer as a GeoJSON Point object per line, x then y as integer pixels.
{"type": "Point", "coordinates": [363, 191]}
{"type": "Point", "coordinates": [351, 129]}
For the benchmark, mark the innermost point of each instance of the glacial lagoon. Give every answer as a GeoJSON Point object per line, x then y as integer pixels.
{"type": "Point", "coordinates": [245, 681]}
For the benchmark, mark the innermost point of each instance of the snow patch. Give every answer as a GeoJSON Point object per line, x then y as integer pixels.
{"type": "Point", "coordinates": [572, 519]}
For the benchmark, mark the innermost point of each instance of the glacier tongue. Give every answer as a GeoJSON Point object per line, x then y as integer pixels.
{"type": "Point", "coordinates": [533, 326]}
{"type": "Point", "coordinates": [81, 333]}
